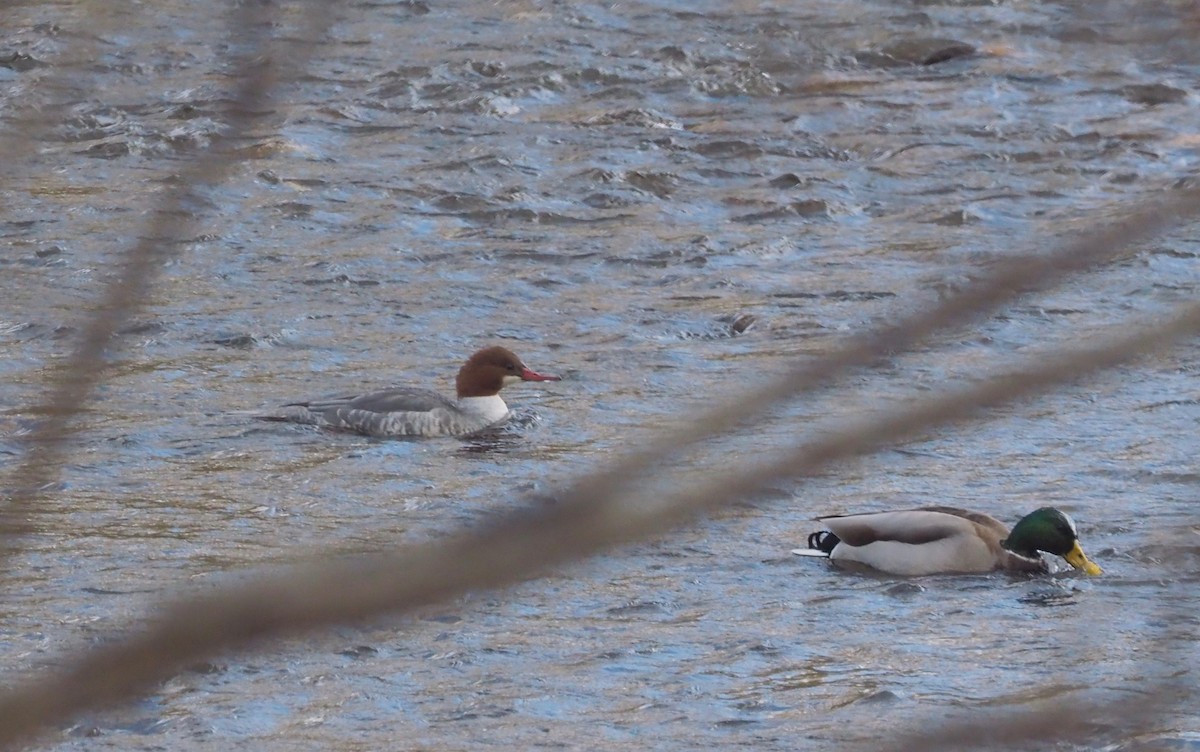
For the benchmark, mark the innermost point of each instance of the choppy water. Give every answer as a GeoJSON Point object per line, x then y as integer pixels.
{"type": "Point", "coordinates": [611, 191]}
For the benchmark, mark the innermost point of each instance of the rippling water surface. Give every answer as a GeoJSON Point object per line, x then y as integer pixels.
{"type": "Point", "coordinates": [665, 203]}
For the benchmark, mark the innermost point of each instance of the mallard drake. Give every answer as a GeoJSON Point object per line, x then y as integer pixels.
{"type": "Point", "coordinates": [942, 540]}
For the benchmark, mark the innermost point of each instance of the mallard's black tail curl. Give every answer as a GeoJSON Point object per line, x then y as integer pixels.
{"type": "Point", "coordinates": [823, 541]}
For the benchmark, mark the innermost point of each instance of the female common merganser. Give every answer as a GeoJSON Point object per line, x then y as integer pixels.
{"type": "Point", "coordinates": [406, 411]}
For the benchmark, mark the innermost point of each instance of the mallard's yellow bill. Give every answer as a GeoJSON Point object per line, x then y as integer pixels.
{"type": "Point", "coordinates": [1078, 559]}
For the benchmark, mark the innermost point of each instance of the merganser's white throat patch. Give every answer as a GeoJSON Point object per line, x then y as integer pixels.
{"type": "Point", "coordinates": [491, 409]}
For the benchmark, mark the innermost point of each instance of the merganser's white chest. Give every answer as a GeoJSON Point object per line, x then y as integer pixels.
{"type": "Point", "coordinates": [490, 409]}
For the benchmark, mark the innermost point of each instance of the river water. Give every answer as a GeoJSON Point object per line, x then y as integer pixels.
{"type": "Point", "coordinates": [664, 203]}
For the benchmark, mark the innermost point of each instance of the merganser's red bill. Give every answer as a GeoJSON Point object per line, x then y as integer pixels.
{"type": "Point", "coordinates": [531, 375]}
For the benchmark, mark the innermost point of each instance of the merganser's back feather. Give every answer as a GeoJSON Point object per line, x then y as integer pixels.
{"type": "Point", "coordinates": [393, 399]}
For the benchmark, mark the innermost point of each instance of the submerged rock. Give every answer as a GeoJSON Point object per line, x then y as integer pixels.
{"type": "Point", "coordinates": [918, 51]}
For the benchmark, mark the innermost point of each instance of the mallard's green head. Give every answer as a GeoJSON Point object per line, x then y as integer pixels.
{"type": "Point", "coordinates": [1047, 529]}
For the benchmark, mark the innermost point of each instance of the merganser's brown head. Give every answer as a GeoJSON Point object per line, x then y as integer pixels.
{"type": "Point", "coordinates": [491, 369]}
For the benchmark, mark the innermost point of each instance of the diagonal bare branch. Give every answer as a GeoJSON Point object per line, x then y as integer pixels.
{"type": "Point", "coordinates": [1009, 278]}
{"type": "Point", "coordinates": [516, 547]}
{"type": "Point", "coordinates": [171, 222]}
{"type": "Point", "coordinates": [1058, 722]}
